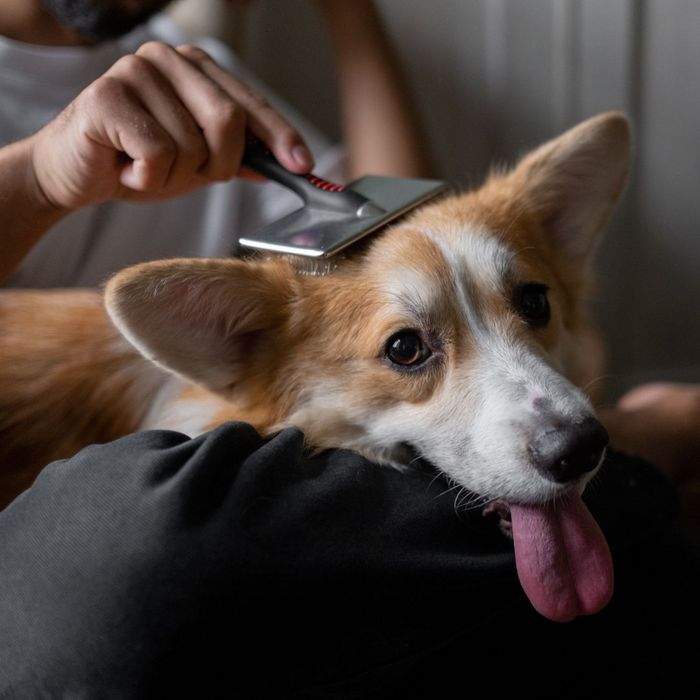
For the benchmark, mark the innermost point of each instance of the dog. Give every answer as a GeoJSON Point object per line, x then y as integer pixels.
{"type": "Point", "coordinates": [459, 334]}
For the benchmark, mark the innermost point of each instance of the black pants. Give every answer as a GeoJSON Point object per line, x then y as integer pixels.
{"type": "Point", "coordinates": [229, 566]}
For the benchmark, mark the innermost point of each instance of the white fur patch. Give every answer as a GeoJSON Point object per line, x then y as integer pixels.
{"type": "Point", "coordinates": [478, 425]}
{"type": "Point", "coordinates": [410, 291]}
{"type": "Point", "coordinates": [477, 261]}
{"type": "Point", "coordinates": [191, 416]}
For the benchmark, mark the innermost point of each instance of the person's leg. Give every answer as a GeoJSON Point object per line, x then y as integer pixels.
{"type": "Point", "coordinates": [228, 564]}
{"type": "Point", "coordinates": [157, 561]}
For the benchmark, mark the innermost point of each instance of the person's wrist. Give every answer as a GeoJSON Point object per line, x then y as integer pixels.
{"type": "Point", "coordinates": [36, 190]}
{"type": "Point", "coordinates": [27, 212]}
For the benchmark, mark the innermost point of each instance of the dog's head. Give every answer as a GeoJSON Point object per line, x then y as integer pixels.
{"type": "Point", "coordinates": [460, 334]}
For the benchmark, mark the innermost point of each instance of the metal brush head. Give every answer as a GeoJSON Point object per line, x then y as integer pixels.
{"type": "Point", "coordinates": [316, 230]}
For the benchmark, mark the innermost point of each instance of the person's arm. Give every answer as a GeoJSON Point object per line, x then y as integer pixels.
{"type": "Point", "coordinates": [380, 127]}
{"type": "Point", "coordinates": [159, 123]}
{"type": "Point", "coordinates": [26, 213]}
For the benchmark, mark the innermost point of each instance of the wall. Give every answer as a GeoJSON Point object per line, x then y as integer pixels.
{"type": "Point", "coordinates": [492, 78]}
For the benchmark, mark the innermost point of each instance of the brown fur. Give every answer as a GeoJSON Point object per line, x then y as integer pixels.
{"type": "Point", "coordinates": [68, 379]}
{"type": "Point", "coordinates": [255, 340]}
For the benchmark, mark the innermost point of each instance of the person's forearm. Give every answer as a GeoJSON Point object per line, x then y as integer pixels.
{"type": "Point", "coordinates": [26, 214]}
{"type": "Point", "coordinates": [380, 127]}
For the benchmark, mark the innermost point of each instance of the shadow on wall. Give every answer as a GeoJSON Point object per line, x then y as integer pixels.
{"type": "Point", "coordinates": [493, 78]}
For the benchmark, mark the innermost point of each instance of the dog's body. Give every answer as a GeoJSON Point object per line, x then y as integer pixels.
{"type": "Point", "coordinates": [460, 335]}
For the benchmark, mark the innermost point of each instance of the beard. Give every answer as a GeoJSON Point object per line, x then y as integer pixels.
{"type": "Point", "coordinates": [96, 20]}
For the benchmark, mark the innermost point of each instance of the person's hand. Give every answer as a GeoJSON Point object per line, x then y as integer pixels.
{"type": "Point", "coordinates": [659, 421]}
{"type": "Point", "coordinates": [157, 124]}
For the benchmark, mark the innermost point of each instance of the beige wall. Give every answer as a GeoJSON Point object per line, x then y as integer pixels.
{"type": "Point", "coordinates": [493, 77]}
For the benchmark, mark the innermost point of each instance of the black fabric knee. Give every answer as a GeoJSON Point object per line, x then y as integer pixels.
{"type": "Point", "coordinates": [228, 565]}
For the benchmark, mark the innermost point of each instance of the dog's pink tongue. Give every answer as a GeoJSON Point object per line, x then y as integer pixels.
{"type": "Point", "coordinates": [562, 558]}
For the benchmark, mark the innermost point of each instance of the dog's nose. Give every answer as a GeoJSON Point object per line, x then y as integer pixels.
{"type": "Point", "coordinates": [569, 450]}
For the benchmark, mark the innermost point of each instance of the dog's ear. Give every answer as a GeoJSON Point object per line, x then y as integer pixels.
{"type": "Point", "coordinates": [573, 182]}
{"type": "Point", "coordinates": [201, 318]}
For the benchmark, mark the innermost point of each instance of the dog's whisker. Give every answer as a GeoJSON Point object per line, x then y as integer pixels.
{"type": "Point", "coordinates": [596, 380]}
{"type": "Point", "coordinates": [456, 504]}
{"type": "Point", "coordinates": [463, 499]}
{"type": "Point", "coordinates": [468, 500]}
{"type": "Point", "coordinates": [441, 475]}
{"type": "Point", "coordinates": [452, 484]}
{"type": "Point", "coordinates": [448, 490]}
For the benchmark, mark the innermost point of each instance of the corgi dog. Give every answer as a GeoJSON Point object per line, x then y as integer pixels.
{"type": "Point", "coordinates": [459, 335]}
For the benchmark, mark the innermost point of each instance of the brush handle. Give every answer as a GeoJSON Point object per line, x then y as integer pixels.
{"type": "Point", "coordinates": [314, 191]}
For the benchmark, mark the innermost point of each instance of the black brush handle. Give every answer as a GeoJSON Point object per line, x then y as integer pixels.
{"type": "Point", "coordinates": [314, 191]}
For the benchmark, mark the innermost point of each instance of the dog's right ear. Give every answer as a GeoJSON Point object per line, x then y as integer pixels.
{"type": "Point", "coordinates": [201, 318]}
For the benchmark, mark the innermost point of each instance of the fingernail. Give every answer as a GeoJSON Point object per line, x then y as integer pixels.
{"type": "Point", "coordinates": [302, 157]}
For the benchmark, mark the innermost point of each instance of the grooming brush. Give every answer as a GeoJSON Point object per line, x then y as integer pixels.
{"type": "Point", "coordinates": [332, 216]}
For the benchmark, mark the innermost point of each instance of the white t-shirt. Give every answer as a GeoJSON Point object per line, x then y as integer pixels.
{"type": "Point", "coordinates": [37, 82]}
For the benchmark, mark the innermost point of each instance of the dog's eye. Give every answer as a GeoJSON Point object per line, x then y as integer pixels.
{"type": "Point", "coordinates": [407, 349]}
{"type": "Point", "coordinates": [533, 304]}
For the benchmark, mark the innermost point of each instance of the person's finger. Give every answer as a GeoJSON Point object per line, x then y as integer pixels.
{"type": "Point", "coordinates": [115, 120]}
{"type": "Point", "coordinates": [651, 393]}
{"type": "Point", "coordinates": [221, 119]}
{"type": "Point", "coordinates": [263, 120]}
{"type": "Point", "coordinates": [166, 108]}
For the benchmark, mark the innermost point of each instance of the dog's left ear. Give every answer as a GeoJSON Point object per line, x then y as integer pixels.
{"type": "Point", "coordinates": [573, 182]}
{"type": "Point", "coordinates": [202, 319]}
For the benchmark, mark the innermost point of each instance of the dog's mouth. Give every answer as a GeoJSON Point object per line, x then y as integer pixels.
{"type": "Point", "coordinates": [563, 561]}
{"type": "Point", "coordinates": [499, 510]}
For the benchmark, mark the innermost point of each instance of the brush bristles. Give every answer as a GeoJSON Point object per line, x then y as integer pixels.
{"type": "Point", "coordinates": [314, 267]}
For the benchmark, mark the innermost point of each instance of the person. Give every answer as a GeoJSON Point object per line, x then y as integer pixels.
{"type": "Point", "coordinates": [228, 565]}
{"type": "Point", "coordinates": [151, 116]}
{"type": "Point", "coordinates": [661, 422]}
